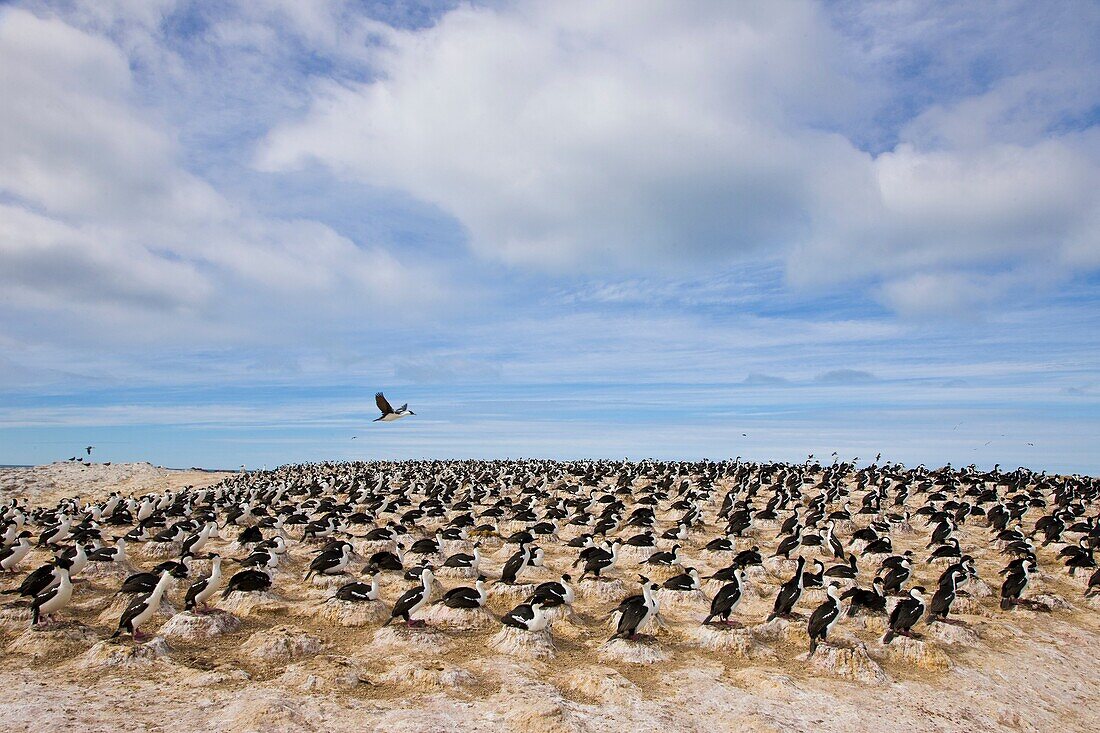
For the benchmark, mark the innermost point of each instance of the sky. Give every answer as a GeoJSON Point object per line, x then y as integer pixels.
{"type": "Point", "coordinates": [579, 228]}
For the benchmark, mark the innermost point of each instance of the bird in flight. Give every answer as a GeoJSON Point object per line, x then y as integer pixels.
{"type": "Point", "coordinates": [89, 449]}
{"type": "Point", "coordinates": [388, 413]}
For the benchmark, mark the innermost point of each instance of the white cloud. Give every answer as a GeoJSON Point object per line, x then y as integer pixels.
{"type": "Point", "coordinates": [596, 135]}
{"type": "Point", "coordinates": [102, 225]}
{"type": "Point", "coordinates": [561, 133]}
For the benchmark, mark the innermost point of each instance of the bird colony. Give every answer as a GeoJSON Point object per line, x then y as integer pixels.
{"type": "Point", "coordinates": [402, 578]}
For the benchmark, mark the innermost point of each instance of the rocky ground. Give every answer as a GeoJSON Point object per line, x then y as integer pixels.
{"type": "Point", "coordinates": [297, 661]}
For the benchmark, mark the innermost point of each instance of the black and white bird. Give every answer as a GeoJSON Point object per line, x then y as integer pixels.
{"type": "Point", "coordinates": [789, 593]}
{"type": "Point", "coordinates": [526, 616]}
{"type": "Point", "coordinates": [388, 413]}
{"type": "Point", "coordinates": [945, 594]}
{"type": "Point", "coordinates": [250, 580]}
{"type": "Point", "coordinates": [10, 557]}
{"type": "Point", "coordinates": [1015, 583]}
{"type": "Point", "coordinates": [116, 554]}
{"type": "Point", "coordinates": [58, 533]}
{"type": "Point", "coordinates": [202, 590]}
{"type": "Point", "coordinates": [668, 558]}
{"type": "Point", "coordinates": [873, 600]}
{"type": "Point", "coordinates": [413, 600]}
{"type": "Point", "coordinates": [54, 599]}
{"type": "Point", "coordinates": [685, 581]}
{"type": "Point", "coordinates": [38, 580]}
{"type": "Point", "coordinates": [517, 563]}
{"type": "Point", "coordinates": [554, 593]}
{"type": "Point", "coordinates": [824, 617]}
{"type": "Point", "coordinates": [727, 599]}
{"type": "Point", "coordinates": [465, 560]}
{"type": "Point", "coordinates": [465, 596]}
{"type": "Point", "coordinates": [333, 561]}
{"type": "Point", "coordinates": [357, 592]}
{"type": "Point", "coordinates": [905, 615]}
{"type": "Point", "coordinates": [386, 560]}
{"type": "Point", "coordinates": [142, 608]}
{"type": "Point", "coordinates": [601, 560]}
{"type": "Point", "coordinates": [635, 611]}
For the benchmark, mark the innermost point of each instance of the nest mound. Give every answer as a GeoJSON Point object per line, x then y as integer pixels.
{"type": "Point", "coordinates": [636, 651]}
{"type": "Point", "coordinates": [410, 638]}
{"type": "Point", "coordinates": [428, 676]}
{"type": "Point", "coordinates": [189, 626]}
{"type": "Point", "coordinates": [459, 618]}
{"type": "Point", "coordinates": [851, 662]}
{"type": "Point", "coordinates": [602, 590]}
{"type": "Point", "coordinates": [281, 644]}
{"type": "Point", "coordinates": [349, 613]}
{"type": "Point", "coordinates": [112, 653]}
{"type": "Point", "coordinates": [736, 641]}
{"type": "Point", "coordinates": [782, 630]}
{"type": "Point", "coordinates": [326, 672]}
{"type": "Point", "coordinates": [685, 600]}
{"type": "Point", "coordinates": [918, 653]}
{"type": "Point", "coordinates": [603, 683]}
{"type": "Point", "coordinates": [523, 643]}
{"type": "Point", "coordinates": [244, 604]}
{"type": "Point", "coordinates": [330, 582]}
{"type": "Point", "coordinates": [60, 640]}
{"type": "Point", "coordinates": [953, 634]}
{"type": "Point", "coordinates": [159, 550]}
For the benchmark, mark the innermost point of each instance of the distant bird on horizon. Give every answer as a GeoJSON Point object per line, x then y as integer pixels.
{"type": "Point", "coordinates": [388, 413]}
{"type": "Point", "coordinates": [89, 449]}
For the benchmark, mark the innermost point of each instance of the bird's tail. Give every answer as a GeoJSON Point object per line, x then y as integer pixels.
{"type": "Point", "coordinates": [118, 631]}
{"type": "Point", "coordinates": [1006, 604]}
{"type": "Point", "coordinates": [888, 637]}
{"type": "Point", "coordinates": [389, 621]}
{"type": "Point", "coordinates": [813, 645]}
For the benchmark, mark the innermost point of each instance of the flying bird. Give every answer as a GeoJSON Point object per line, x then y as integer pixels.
{"type": "Point", "coordinates": [388, 413]}
{"type": "Point", "coordinates": [89, 449]}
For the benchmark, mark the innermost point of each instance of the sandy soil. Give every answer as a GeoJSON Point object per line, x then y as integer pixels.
{"type": "Point", "coordinates": [291, 666]}
{"type": "Point", "coordinates": [43, 485]}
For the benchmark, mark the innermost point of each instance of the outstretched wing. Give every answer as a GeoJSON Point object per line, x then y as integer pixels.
{"type": "Point", "coordinates": [383, 404]}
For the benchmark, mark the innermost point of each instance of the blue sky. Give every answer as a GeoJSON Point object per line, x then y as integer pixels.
{"type": "Point", "coordinates": [555, 228]}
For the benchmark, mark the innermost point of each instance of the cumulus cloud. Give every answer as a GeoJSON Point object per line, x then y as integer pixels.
{"type": "Point", "coordinates": [96, 211]}
{"type": "Point", "coordinates": [590, 135]}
